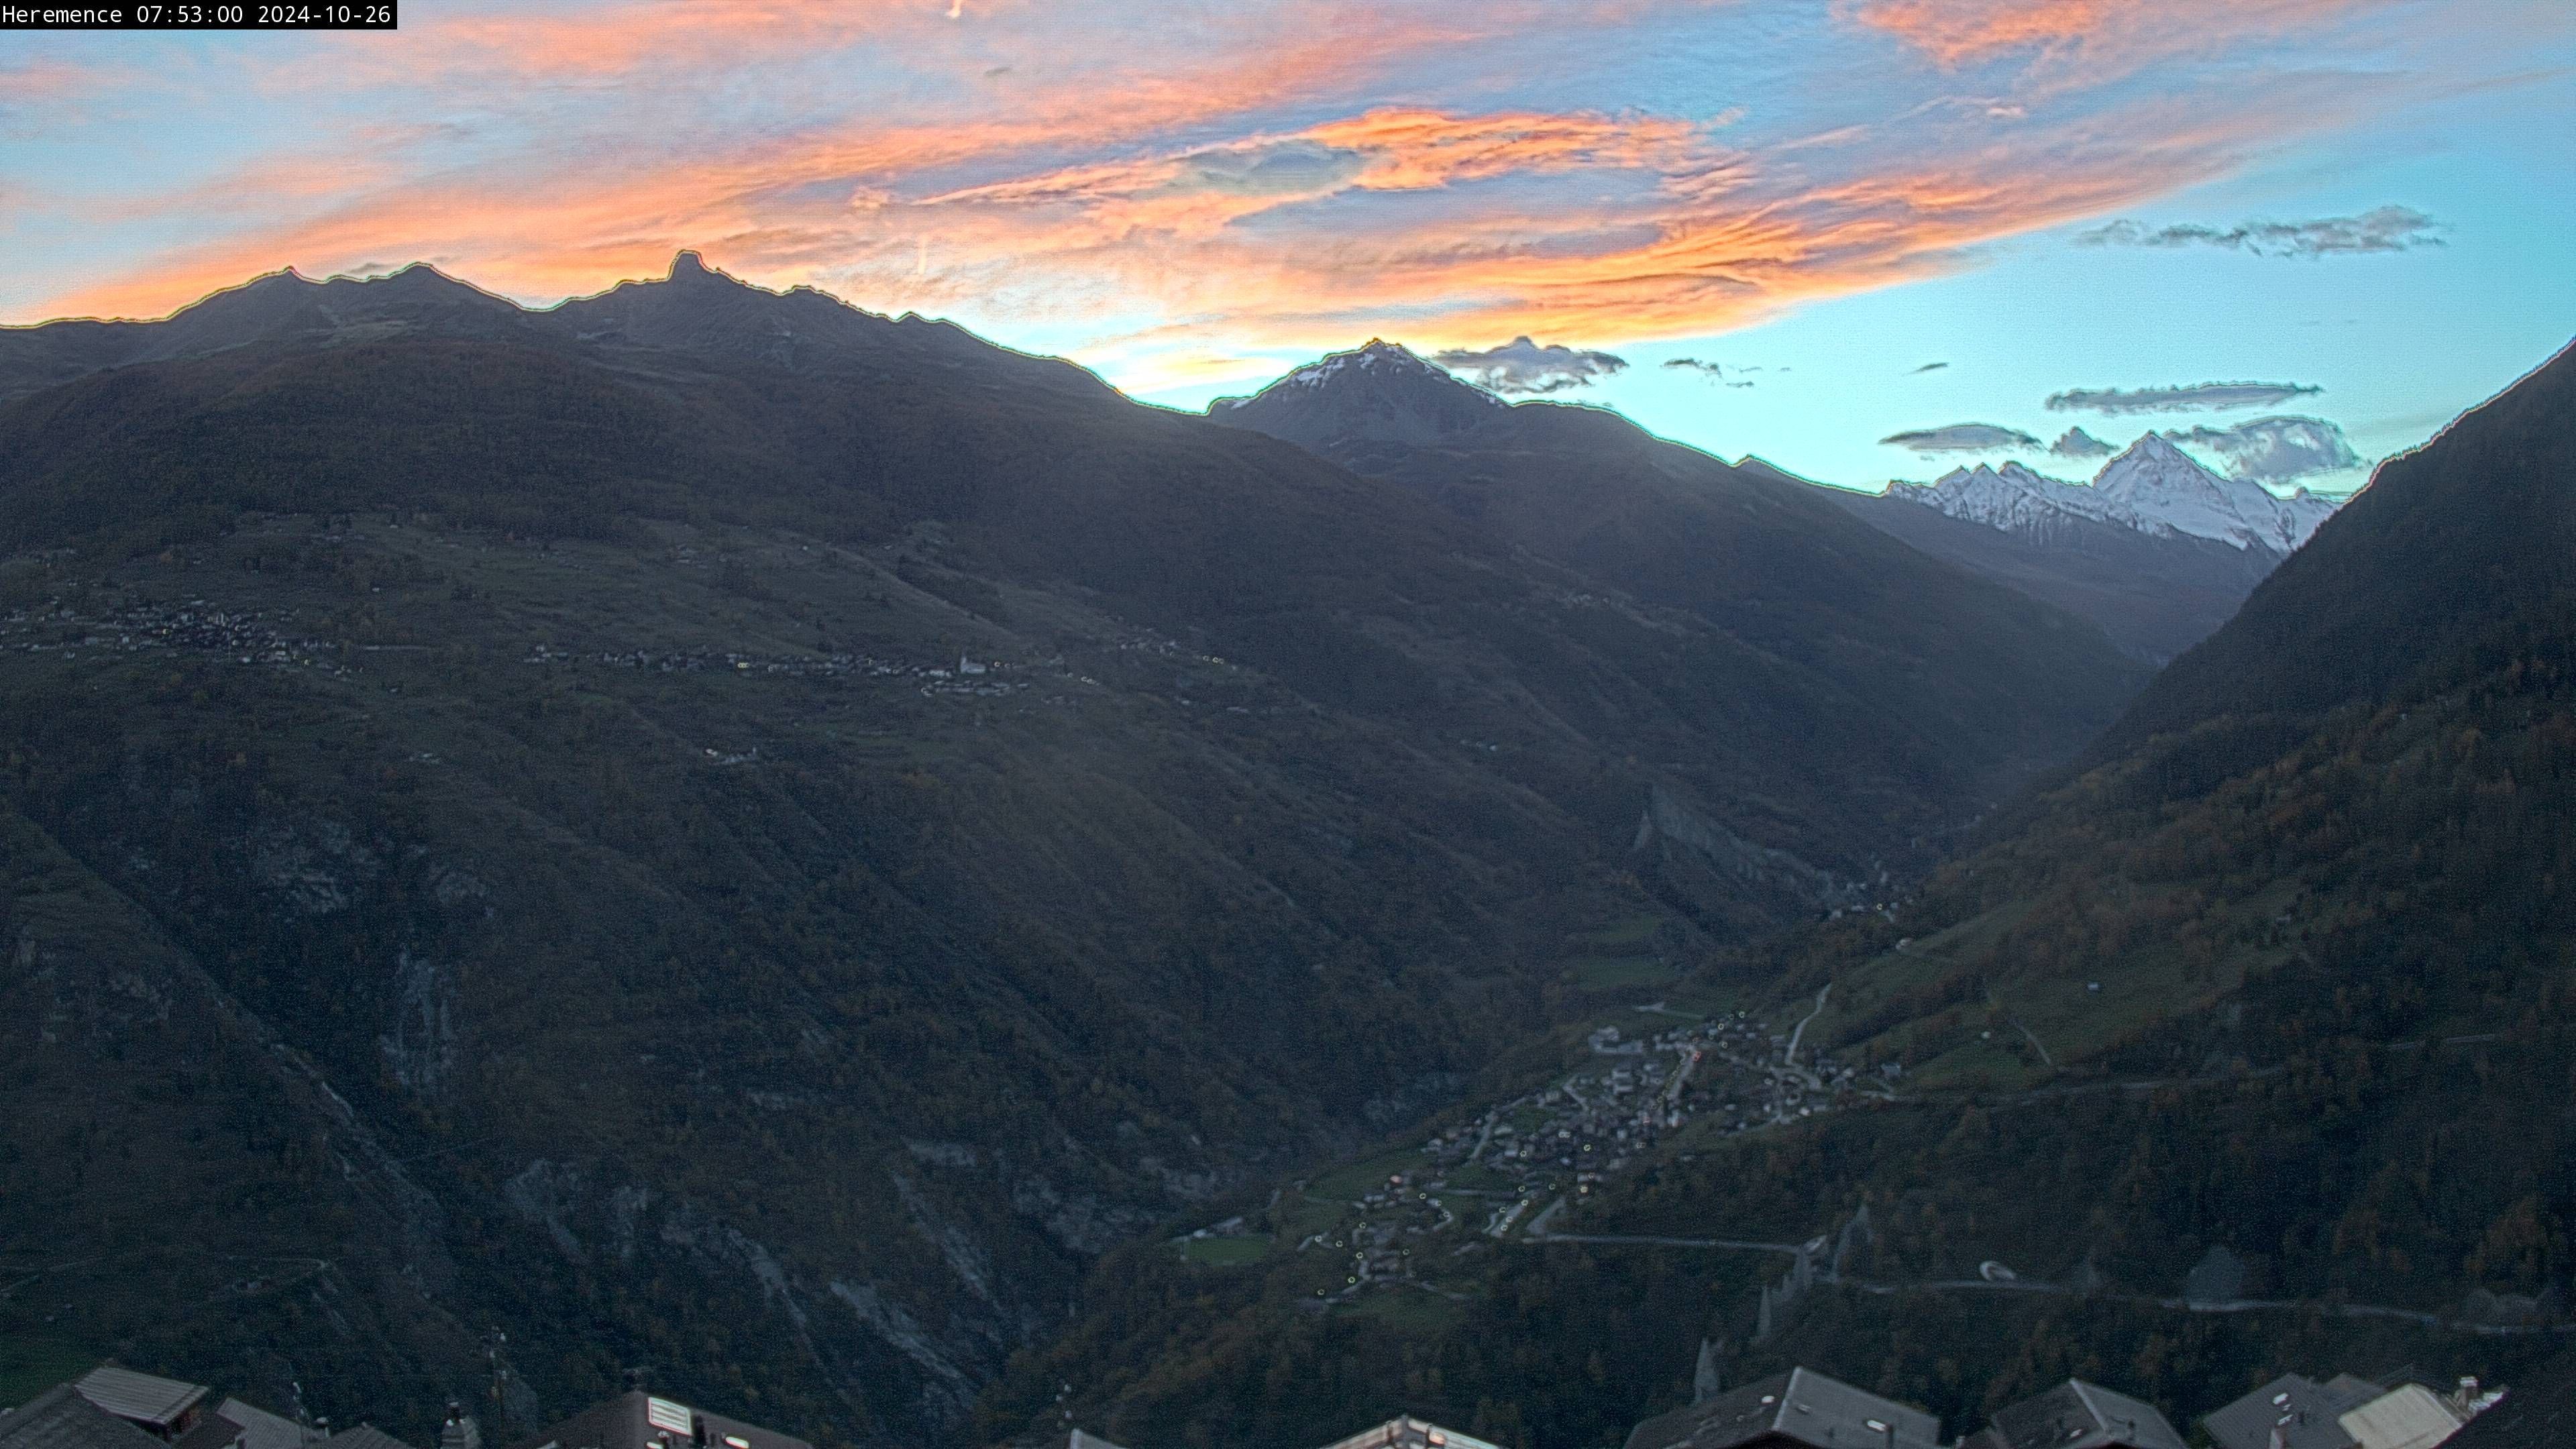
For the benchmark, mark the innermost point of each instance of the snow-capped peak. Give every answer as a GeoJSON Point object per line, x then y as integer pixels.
{"type": "Point", "coordinates": [1379, 358]}
{"type": "Point", "coordinates": [2017, 500]}
{"type": "Point", "coordinates": [2161, 482]}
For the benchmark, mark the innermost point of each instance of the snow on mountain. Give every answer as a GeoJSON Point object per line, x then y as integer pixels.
{"type": "Point", "coordinates": [2017, 500]}
{"type": "Point", "coordinates": [2159, 481]}
{"type": "Point", "coordinates": [2153, 487]}
{"type": "Point", "coordinates": [1379, 393]}
{"type": "Point", "coordinates": [1378, 359]}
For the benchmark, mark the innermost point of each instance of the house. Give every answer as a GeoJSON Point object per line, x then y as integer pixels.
{"type": "Point", "coordinates": [175, 1413]}
{"type": "Point", "coordinates": [2308, 1414]}
{"type": "Point", "coordinates": [62, 1418]}
{"type": "Point", "coordinates": [166, 1409]}
{"type": "Point", "coordinates": [2409, 1416]}
{"type": "Point", "coordinates": [235, 1425]}
{"type": "Point", "coordinates": [1398, 1433]}
{"type": "Point", "coordinates": [1800, 1409]}
{"type": "Point", "coordinates": [2536, 1412]}
{"type": "Point", "coordinates": [637, 1420]}
{"type": "Point", "coordinates": [366, 1436]}
{"type": "Point", "coordinates": [2077, 1415]}
{"type": "Point", "coordinates": [1409, 1433]}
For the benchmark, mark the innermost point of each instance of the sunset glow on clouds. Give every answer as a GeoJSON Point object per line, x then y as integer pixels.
{"type": "Point", "coordinates": [1189, 197]}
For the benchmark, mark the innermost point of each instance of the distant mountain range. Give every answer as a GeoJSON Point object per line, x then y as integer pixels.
{"type": "Point", "coordinates": [709, 828]}
{"type": "Point", "coordinates": [2157, 550]}
{"type": "Point", "coordinates": [2153, 487]}
{"type": "Point", "coordinates": [1908, 647]}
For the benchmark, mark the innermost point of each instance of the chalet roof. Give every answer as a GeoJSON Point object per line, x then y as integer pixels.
{"type": "Point", "coordinates": [260, 1428]}
{"type": "Point", "coordinates": [2409, 1416]}
{"type": "Point", "coordinates": [62, 1418]}
{"type": "Point", "coordinates": [636, 1420]}
{"type": "Point", "coordinates": [143, 1399]}
{"type": "Point", "coordinates": [2078, 1415]}
{"type": "Point", "coordinates": [2539, 1409]}
{"type": "Point", "coordinates": [365, 1436]}
{"type": "Point", "coordinates": [1409, 1433]}
{"type": "Point", "coordinates": [1797, 1407]}
{"type": "Point", "coordinates": [2308, 1412]}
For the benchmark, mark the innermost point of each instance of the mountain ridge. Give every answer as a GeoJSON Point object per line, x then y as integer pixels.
{"type": "Point", "coordinates": [1758, 554]}
{"type": "Point", "coordinates": [614, 743]}
{"type": "Point", "coordinates": [2150, 486]}
{"type": "Point", "coordinates": [2156, 550]}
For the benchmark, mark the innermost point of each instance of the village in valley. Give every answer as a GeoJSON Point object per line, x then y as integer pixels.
{"type": "Point", "coordinates": [1509, 1173]}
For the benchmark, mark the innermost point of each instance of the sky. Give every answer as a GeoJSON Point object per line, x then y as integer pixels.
{"type": "Point", "coordinates": [1863, 239]}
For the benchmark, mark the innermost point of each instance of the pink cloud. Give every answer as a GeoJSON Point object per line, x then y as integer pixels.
{"type": "Point", "coordinates": [2100, 32]}
{"type": "Point", "coordinates": [1165, 207]}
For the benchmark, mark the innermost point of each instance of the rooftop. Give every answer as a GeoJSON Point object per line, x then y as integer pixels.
{"type": "Point", "coordinates": [157, 1403]}
{"type": "Point", "coordinates": [2307, 1412]}
{"type": "Point", "coordinates": [2539, 1408]}
{"type": "Point", "coordinates": [60, 1418]}
{"type": "Point", "coordinates": [365, 1436]}
{"type": "Point", "coordinates": [1409, 1433]}
{"type": "Point", "coordinates": [637, 1420]}
{"type": "Point", "coordinates": [2409, 1416]}
{"type": "Point", "coordinates": [2078, 1415]}
{"type": "Point", "coordinates": [1797, 1407]}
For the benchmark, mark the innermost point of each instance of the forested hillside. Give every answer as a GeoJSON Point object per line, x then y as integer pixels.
{"type": "Point", "coordinates": [2286, 973]}
{"type": "Point", "coordinates": [708, 830]}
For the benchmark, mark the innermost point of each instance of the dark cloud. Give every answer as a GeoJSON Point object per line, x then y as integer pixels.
{"type": "Point", "coordinates": [1961, 438]}
{"type": "Point", "coordinates": [1929, 367]}
{"type": "Point", "coordinates": [2275, 450]}
{"type": "Point", "coordinates": [2196, 397]}
{"type": "Point", "coordinates": [1522, 366]}
{"type": "Point", "coordinates": [2077, 443]}
{"type": "Point", "coordinates": [2385, 229]}
{"type": "Point", "coordinates": [1714, 371]}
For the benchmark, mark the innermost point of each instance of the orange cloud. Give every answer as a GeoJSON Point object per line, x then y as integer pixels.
{"type": "Point", "coordinates": [1955, 32]}
{"type": "Point", "coordinates": [1713, 258]}
{"type": "Point", "coordinates": [1151, 214]}
{"type": "Point", "coordinates": [1412, 149]}
{"type": "Point", "coordinates": [1201, 190]}
{"type": "Point", "coordinates": [559, 231]}
{"type": "Point", "coordinates": [620, 38]}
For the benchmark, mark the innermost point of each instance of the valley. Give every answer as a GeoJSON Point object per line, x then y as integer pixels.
{"type": "Point", "coordinates": [2217, 997]}
{"type": "Point", "coordinates": [1293, 724]}
{"type": "Point", "coordinates": [1138, 970]}
{"type": "Point", "coordinates": [774, 895]}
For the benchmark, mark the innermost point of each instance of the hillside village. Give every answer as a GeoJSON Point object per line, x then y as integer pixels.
{"type": "Point", "coordinates": [1507, 1174]}
{"type": "Point", "coordinates": [114, 1407]}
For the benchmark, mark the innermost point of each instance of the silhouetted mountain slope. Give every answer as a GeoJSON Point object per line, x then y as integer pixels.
{"type": "Point", "coordinates": [1379, 393]}
{"type": "Point", "coordinates": [2468, 538]}
{"type": "Point", "coordinates": [1953, 679]}
{"type": "Point", "coordinates": [2287, 973]}
{"type": "Point", "coordinates": [2154, 596]}
{"type": "Point", "coordinates": [793, 831]}
{"type": "Point", "coordinates": [282, 305]}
